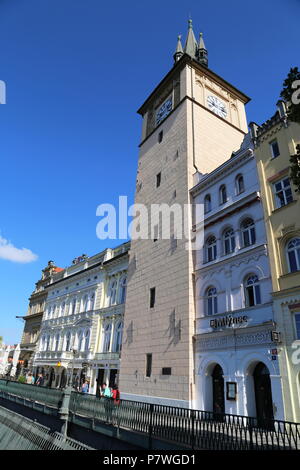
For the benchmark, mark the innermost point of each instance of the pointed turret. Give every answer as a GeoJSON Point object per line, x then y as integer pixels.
{"type": "Point", "coordinates": [190, 47]}
{"type": "Point", "coordinates": [179, 51]}
{"type": "Point", "coordinates": [202, 52]}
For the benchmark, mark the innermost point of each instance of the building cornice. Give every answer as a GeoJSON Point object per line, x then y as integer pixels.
{"type": "Point", "coordinates": [178, 66]}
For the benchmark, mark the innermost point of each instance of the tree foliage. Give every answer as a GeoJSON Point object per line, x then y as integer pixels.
{"type": "Point", "coordinates": [291, 95]}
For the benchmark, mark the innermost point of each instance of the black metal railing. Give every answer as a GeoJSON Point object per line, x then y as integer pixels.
{"type": "Point", "coordinates": [194, 429]}
{"type": "Point", "coordinates": [190, 428]}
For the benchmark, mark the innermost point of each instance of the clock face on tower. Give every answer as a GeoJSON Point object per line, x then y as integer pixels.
{"type": "Point", "coordinates": [164, 110]}
{"type": "Point", "coordinates": [217, 106]}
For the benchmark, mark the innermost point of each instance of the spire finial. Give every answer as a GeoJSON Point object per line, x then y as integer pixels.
{"type": "Point", "coordinates": [179, 51]}
{"type": "Point", "coordinates": [202, 52]}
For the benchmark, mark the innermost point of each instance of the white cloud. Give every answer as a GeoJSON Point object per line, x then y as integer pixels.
{"type": "Point", "coordinates": [18, 255]}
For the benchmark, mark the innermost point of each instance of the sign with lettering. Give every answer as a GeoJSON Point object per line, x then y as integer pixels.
{"type": "Point", "coordinates": [228, 321]}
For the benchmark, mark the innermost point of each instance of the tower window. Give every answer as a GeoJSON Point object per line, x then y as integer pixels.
{"type": "Point", "coordinates": [148, 365]}
{"type": "Point", "coordinates": [152, 297]}
{"type": "Point", "coordinates": [160, 136]}
{"type": "Point", "coordinates": [274, 149]}
{"type": "Point", "coordinates": [158, 179]}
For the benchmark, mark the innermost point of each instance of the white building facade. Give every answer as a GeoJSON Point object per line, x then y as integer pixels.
{"type": "Point", "coordinates": [236, 363]}
{"type": "Point", "coordinates": [81, 333]}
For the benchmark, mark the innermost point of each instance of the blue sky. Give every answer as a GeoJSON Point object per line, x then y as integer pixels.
{"type": "Point", "coordinates": [76, 71]}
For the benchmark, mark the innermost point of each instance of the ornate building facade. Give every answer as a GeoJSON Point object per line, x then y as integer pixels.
{"type": "Point", "coordinates": [275, 141]}
{"type": "Point", "coordinates": [33, 319]}
{"type": "Point", "coordinates": [81, 333]}
{"type": "Point", "coordinates": [235, 370]}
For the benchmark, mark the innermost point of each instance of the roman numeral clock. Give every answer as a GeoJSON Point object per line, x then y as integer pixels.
{"type": "Point", "coordinates": [217, 106]}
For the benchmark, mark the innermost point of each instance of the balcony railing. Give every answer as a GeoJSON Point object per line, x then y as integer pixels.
{"type": "Point", "coordinates": [107, 355]}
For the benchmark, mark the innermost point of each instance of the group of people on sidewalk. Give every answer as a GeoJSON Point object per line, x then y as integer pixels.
{"type": "Point", "coordinates": [30, 379]}
{"type": "Point", "coordinates": [105, 391]}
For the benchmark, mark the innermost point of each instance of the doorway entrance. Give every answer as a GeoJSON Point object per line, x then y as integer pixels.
{"type": "Point", "coordinates": [263, 395]}
{"type": "Point", "coordinates": [218, 390]}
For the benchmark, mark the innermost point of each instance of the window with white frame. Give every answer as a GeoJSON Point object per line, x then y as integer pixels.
{"type": "Point", "coordinates": [248, 232]}
{"type": "Point", "coordinates": [282, 192]}
{"type": "Point", "coordinates": [239, 184]}
{"type": "Point", "coordinates": [87, 340]}
{"type": "Point", "coordinates": [56, 342]}
{"type": "Point", "coordinates": [68, 341]}
{"type": "Point", "coordinates": [123, 287]}
{"type": "Point", "coordinates": [112, 292]}
{"type": "Point", "coordinates": [211, 301]}
{"type": "Point", "coordinates": [228, 241]}
{"type": "Point", "coordinates": [293, 254]}
{"type": "Point", "coordinates": [297, 324]}
{"type": "Point", "coordinates": [118, 338]}
{"type": "Point", "coordinates": [80, 340]}
{"type": "Point", "coordinates": [252, 290]}
{"type": "Point", "coordinates": [107, 338]}
{"type": "Point", "coordinates": [211, 248]}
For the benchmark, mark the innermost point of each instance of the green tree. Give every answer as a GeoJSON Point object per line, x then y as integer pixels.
{"type": "Point", "coordinates": [291, 95]}
{"type": "Point", "coordinates": [1, 340]}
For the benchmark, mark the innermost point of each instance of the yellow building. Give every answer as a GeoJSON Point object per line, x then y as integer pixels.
{"type": "Point", "coordinates": [275, 141]}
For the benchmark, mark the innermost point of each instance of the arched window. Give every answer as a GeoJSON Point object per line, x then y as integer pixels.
{"type": "Point", "coordinates": [228, 241]}
{"type": "Point", "coordinates": [293, 254]}
{"type": "Point", "coordinates": [56, 342]}
{"type": "Point", "coordinates": [73, 306]}
{"type": "Point", "coordinates": [223, 194]}
{"type": "Point", "coordinates": [252, 291]}
{"type": "Point", "coordinates": [62, 310]}
{"type": "Point", "coordinates": [84, 305]}
{"type": "Point", "coordinates": [248, 232]}
{"type": "Point", "coordinates": [54, 311]}
{"type": "Point", "coordinates": [80, 340]}
{"type": "Point", "coordinates": [118, 340]}
{"type": "Point", "coordinates": [87, 340]}
{"type": "Point", "coordinates": [211, 248]}
{"type": "Point", "coordinates": [43, 344]}
{"type": "Point", "coordinates": [92, 302]}
{"type": "Point", "coordinates": [112, 292]}
{"type": "Point", "coordinates": [239, 184]}
{"type": "Point", "coordinates": [107, 338]}
{"type": "Point", "coordinates": [211, 301]}
{"type": "Point", "coordinates": [47, 343]}
{"type": "Point", "coordinates": [123, 286]}
{"type": "Point", "coordinates": [68, 341]}
{"type": "Point", "coordinates": [207, 203]}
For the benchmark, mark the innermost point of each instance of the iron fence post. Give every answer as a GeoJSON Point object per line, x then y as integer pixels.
{"type": "Point", "coordinates": [150, 426]}
{"type": "Point", "coordinates": [193, 429]}
{"type": "Point", "coordinates": [64, 410]}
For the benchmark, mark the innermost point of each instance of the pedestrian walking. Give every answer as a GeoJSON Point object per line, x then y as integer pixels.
{"type": "Point", "coordinates": [85, 387]}
{"type": "Point", "coordinates": [30, 378]}
{"type": "Point", "coordinates": [40, 380]}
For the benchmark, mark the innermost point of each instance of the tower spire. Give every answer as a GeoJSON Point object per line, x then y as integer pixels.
{"type": "Point", "coordinates": [202, 52]}
{"type": "Point", "coordinates": [179, 51]}
{"type": "Point", "coordinates": [190, 47]}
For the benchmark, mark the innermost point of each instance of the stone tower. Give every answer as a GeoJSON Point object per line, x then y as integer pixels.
{"type": "Point", "coordinates": [192, 122]}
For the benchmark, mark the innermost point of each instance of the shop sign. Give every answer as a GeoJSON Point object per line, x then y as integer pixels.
{"type": "Point", "coordinates": [228, 321]}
